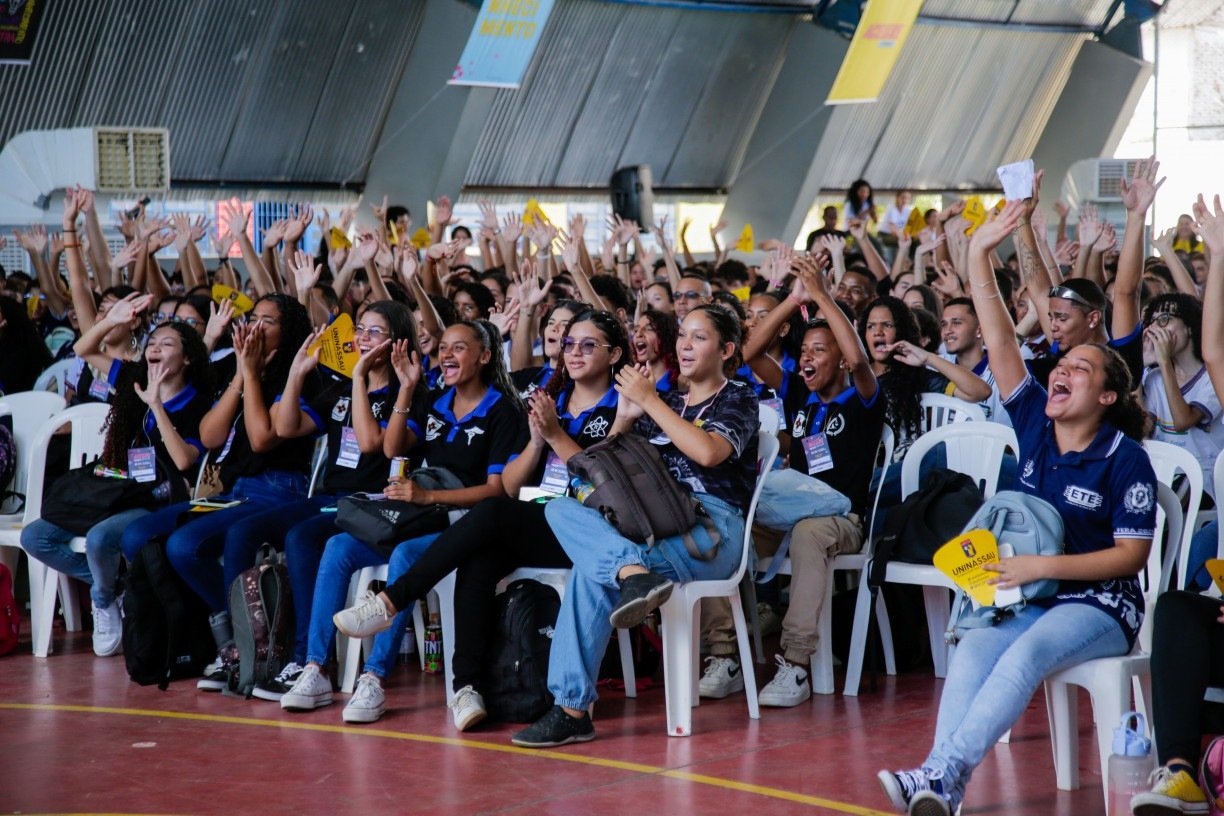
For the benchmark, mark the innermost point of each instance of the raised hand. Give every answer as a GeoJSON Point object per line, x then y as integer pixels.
{"type": "Point", "coordinates": [577, 227]}
{"type": "Point", "coordinates": [38, 238]}
{"type": "Point", "coordinates": [304, 359]}
{"type": "Point", "coordinates": [833, 244]}
{"type": "Point", "coordinates": [366, 361]}
{"type": "Point", "coordinates": [127, 311]}
{"type": "Point", "coordinates": [380, 212]}
{"type": "Point", "coordinates": [367, 247]}
{"type": "Point", "coordinates": [337, 257]}
{"type": "Point", "coordinates": [57, 244]}
{"type": "Point", "coordinates": [1030, 203]}
{"type": "Point", "coordinates": [406, 363]}
{"type": "Point", "coordinates": [1107, 241]}
{"type": "Point", "coordinates": [811, 276]}
{"type": "Point", "coordinates": [531, 290]}
{"type": "Point", "coordinates": [947, 282]}
{"type": "Point", "coordinates": [1066, 253]}
{"type": "Point", "coordinates": [444, 212]}
{"type": "Point", "coordinates": [85, 199]}
{"type": "Point", "coordinates": [951, 211]}
{"type": "Point", "coordinates": [512, 227]}
{"type": "Point", "coordinates": [305, 272]}
{"type": "Point", "coordinates": [182, 231]}
{"type": "Point", "coordinates": [1140, 192]}
{"type": "Point", "coordinates": [127, 255]}
{"type": "Point", "coordinates": [635, 385]}
{"type": "Point", "coordinates": [505, 319]}
{"type": "Point", "coordinates": [909, 354]}
{"type": "Point", "coordinates": [236, 226]}
{"type": "Point", "coordinates": [1210, 224]}
{"type": "Point", "coordinates": [930, 246]}
{"type": "Point", "coordinates": [72, 207]}
{"type": "Point", "coordinates": [1165, 239]}
{"type": "Point", "coordinates": [298, 221]}
{"type": "Point", "coordinates": [1089, 226]}
{"type": "Point", "coordinates": [150, 395]}
{"type": "Point", "coordinates": [1061, 208]}
{"type": "Point", "coordinates": [715, 229]}
{"type": "Point", "coordinates": [219, 317]}
{"type": "Point", "coordinates": [274, 233]}
{"type": "Point", "coordinates": [409, 264]}
{"type": "Point", "coordinates": [488, 214]}
{"type": "Point", "coordinates": [997, 227]}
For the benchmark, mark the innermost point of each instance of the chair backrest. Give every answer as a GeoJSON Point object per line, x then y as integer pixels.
{"type": "Point", "coordinates": [770, 421]}
{"type": "Point", "coordinates": [973, 448]}
{"type": "Point", "coordinates": [888, 443]}
{"type": "Point", "coordinates": [85, 423]}
{"type": "Point", "coordinates": [54, 377]}
{"type": "Point", "coordinates": [318, 459]}
{"type": "Point", "coordinates": [1155, 580]}
{"type": "Point", "coordinates": [1217, 478]}
{"type": "Point", "coordinates": [199, 482]}
{"type": "Point", "coordinates": [940, 409]}
{"type": "Point", "coordinates": [1167, 460]}
{"type": "Point", "coordinates": [767, 451]}
{"type": "Point", "coordinates": [29, 410]}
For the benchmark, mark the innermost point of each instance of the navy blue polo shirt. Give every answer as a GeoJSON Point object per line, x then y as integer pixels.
{"type": "Point", "coordinates": [531, 379]}
{"type": "Point", "coordinates": [851, 425]}
{"type": "Point", "coordinates": [474, 446]}
{"type": "Point", "coordinates": [1106, 491]}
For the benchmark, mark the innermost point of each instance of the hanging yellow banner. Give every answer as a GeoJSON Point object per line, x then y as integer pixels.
{"type": "Point", "coordinates": [873, 52]}
{"type": "Point", "coordinates": [337, 350]}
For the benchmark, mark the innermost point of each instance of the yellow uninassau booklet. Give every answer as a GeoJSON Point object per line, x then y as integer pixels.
{"type": "Point", "coordinates": [963, 560]}
{"type": "Point", "coordinates": [337, 350]}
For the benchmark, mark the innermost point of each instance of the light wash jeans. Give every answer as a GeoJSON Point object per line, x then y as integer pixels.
{"type": "Point", "coordinates": [995, 671]}
{"type": "Point", "coordinates": [342, 556]}
{"type": "Point", "coordinates": [598, 551]}
{"type": "Point", "coordinates": [98, 566]}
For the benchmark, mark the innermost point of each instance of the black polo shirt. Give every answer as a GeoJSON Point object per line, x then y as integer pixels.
{"type": "Point", "coordinates": [347, 469]}
{"type": "Point", "coordinates": [473, 447]}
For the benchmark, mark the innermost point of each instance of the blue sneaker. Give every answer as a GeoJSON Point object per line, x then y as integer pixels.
{"type": "Point", "coordinates": [919, 792]}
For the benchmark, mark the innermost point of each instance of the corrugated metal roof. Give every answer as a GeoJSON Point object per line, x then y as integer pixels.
{"type": "Point", "coordinates": [618, 84]}
{"type": "Point", "coordinates": [252, 90]}
{"type": "Point", "coordinates": [951, 112]}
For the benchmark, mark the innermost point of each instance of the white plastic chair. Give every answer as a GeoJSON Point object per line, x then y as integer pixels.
{"type": "Point", "coordinates": [972, 448]}
{"type": "Point", "coordinates": [940, 409]}
{"type": "Point", "coordinates": [318, 460]}
{"type": "Point", "coordinates": [350, 651]}
{"type": "Point", "coordinates": [1108, 680]}
{"type": "Point", "coordinates": [1167, 460]}
{"type": "Point", "coordinates": [54, 377]}
{"type": "Point", "coordinates": [681, 629]}
{"type": "Point", "coordinates": [29, 410]}
{"type": "Point", "coordinates": [769, 418]}
{"type": "Point", "coordinates": [46, 584]}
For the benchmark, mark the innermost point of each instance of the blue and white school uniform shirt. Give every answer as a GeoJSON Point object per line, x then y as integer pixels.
{"type": "Point", "coordinates": [474, 446]}
{"type": "Point", "coordinates": [1106, 491]}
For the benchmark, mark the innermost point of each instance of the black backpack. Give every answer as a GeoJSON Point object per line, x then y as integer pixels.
{"type": "Point", "coordinates": [924, 522]}
{"type": "Point", "coordinates": [261, 612]}
{"type": "Point", "coordinates": [165, 625]}
{"type": "Point", "coordinates": [516, 680]}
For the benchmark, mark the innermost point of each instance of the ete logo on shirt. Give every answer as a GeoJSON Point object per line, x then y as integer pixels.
{"type": "Point", "coordinates": [1081, 497]}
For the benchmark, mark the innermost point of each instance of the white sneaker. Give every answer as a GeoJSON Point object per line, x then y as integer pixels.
{"type": "Point", "coordinates": [368, 702]}
{"type": "Point", "coordinates": [312, 690]}
{"type": "Point", "coordinates": [107, 630]}
{"type": "Point", "coordinates": [722, 677]}
{"type": "Point", "coordinates": [467, 708]}
{"type": "Point", "coordinates": [366, 619]}
{"type": "Point", "coordinates": [789, 686]}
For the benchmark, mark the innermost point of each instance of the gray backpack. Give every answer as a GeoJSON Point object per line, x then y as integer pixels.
{"type": "Point", "coordinates": [261, 611]}
{"type": "Point", "coordinates": [1032, 526]}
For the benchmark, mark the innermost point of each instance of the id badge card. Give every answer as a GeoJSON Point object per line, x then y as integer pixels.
{"type": "Point", "coordinates": [350, 453]}
{"type": "Point", "coordinates": [556, 476]}
{"type": "Point", "coordinates": [100, 390]}
{"type": "Point", "coordinates": [819, 457]}
{"type": "Point", "coordinates": [142, 464]}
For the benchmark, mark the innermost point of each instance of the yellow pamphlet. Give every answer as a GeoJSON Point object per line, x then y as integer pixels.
{"type": "Point", "coordinates": [241, 303]}
{"type": "Point", "coordinates": [975, 213]}
{"type": "Point", "coordinates": [337, 350]}
{"type": "Point", "coordinates": [420, 238]}
{"type": "Point", "coordinates": [339, 240]}
{"type": "Point", "coordinates": [916, 223]}
{"type": "Point", "coordinates": [1215, 568]}
{"type": "Point", "coordinates": [962, 559]}
{"type": "Point", "coordinates": [745, 243]}
{"type": "Point", "coordinates": [533, 214]}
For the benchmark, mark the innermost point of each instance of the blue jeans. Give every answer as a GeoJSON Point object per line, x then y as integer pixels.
{"type": "Point", "coordinates": [995, 671]}
{"type": "Point", "coordinates": [1203, 545]}
{"type": "Point", "coordinates": [194, 546]}
{"type": "Point", "coordinates": [387, 643]}
{"type": "Point", "coordinates": [304, 545]}
{"type": "Point", "coordinates": [599, 552]}
{"type": "Point", "coordinates": [98, 566]}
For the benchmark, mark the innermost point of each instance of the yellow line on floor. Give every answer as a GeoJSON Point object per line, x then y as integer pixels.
{"type": "Point", "coordinates": [616, 764]}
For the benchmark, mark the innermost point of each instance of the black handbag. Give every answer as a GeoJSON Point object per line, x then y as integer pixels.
{"type": "Point", "coordinates": [383, 524]}
{"type": "Point", "coordinates": [82, 497]}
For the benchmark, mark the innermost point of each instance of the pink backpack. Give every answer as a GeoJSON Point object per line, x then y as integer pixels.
{"type": "Point", "coordinates": [10, 613]}
{"type": "Point", "coordinates": [1211, 774]}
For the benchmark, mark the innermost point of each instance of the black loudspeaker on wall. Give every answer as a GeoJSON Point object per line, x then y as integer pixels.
{"type": "Point", "coordinates": [632, 195]}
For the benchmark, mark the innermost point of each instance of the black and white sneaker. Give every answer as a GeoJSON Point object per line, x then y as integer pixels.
{"type": "Point", "coordinates": [275, 688]}
{"type": "Point", "coordinates": [555, 728]}
{"type": "Point", "coordinates": [641, 594]}
{"type": "Point", "coordinates": [217, 673]}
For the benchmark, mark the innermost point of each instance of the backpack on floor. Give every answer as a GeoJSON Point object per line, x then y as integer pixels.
{"type": "Point", "coordinates": [165, 625]}
{"type": "Point", "coordinates": [516, 680]}
{"type": "Point", "coordinates": [1211, 775]}
{"type": "Point", "coordinates": [10, 613]}
{"type": "Point", "coordinates": [261, 612]}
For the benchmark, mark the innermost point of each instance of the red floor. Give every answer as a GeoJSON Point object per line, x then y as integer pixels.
{"type": "Point", "coordinates": [77, 736]}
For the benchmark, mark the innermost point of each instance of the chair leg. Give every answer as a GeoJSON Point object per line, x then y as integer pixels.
{"type": "Point", "coordinates": [418, 632]}
{"type": "Point", "coordinates": [858, 640]}
{"type": "Point", "coordinates": [677, 615]}
{"type": "Point", "coordinates": [746, 667]}
{"type": "Point", "coordinates": [446, 611]}
{"type": "Point", "coordinates": [70, 603]}
{"type": "Point", "coordinates": [1111, 698]}
{"type": "Point", "coordinates": [48, 580]}
{"type": "Point", "coordinates": [822, 658]}
{"type": "Point", "coordinates": [886, 640]}
{"type": "Point", "coordinates": [748, 597]}
{"type": "Point", "coordinates": [628, 672]}
{"type": "Point", "coordinates": [938, 610]}
{"type": "Point", "coordinates": [1061, 707]}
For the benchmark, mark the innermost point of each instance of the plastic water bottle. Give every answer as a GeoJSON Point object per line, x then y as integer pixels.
{"type": "Point", "coordinates": [1131, 763]}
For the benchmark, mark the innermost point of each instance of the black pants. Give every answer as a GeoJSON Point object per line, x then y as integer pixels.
{"type": "Point", "coordinates": [494, 539]}
{"type": "Point", "coordinates": [1187, 658]}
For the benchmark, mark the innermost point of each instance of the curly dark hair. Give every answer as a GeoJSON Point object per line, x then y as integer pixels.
{"type": "Point", "coordinates": [294, 326]}
{"type": "Point", "coordinates": [666, 329]}
{"type": "Point", "coordinates": [613, 331]}
{"type": "Point", "coordinates": [902, 384]}
{"type": "Point", "coordinates": [124, 426]}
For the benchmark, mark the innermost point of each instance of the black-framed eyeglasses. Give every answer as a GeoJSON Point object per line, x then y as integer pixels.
{"type": "Point", "coordinates": [1161, 319]}
{"type": "Point", "coordinates": [689, 295]}
{"type": "Point", "coordinates": [584, 347]}
{"type": "Point", "coordinates": [1067, 293]}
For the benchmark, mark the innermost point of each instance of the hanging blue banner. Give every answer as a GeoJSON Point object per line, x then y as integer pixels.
{"type": "Point", "coordinates": [502, 42]}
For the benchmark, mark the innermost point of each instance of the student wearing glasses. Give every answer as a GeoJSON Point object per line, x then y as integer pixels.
{"type": "Point", "coordinates": [501, 534]}
{"type": "Point", "coordinates": [692, 291]}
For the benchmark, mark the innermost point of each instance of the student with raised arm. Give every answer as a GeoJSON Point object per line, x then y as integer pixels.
{"type": "Point", "coordinates": [501, 534]}
{"type": "Point", "coordinates": [835, 414]}
{"type": "Point", "coordinates": [707, 437]}
{"type": "Point", "coordinates": [1079, 451]}
{"type": "Point", "coordinates": [1188, 631]}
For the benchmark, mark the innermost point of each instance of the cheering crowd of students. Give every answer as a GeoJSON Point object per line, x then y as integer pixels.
{"type": "Point", "coordinates": [498, 370]}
